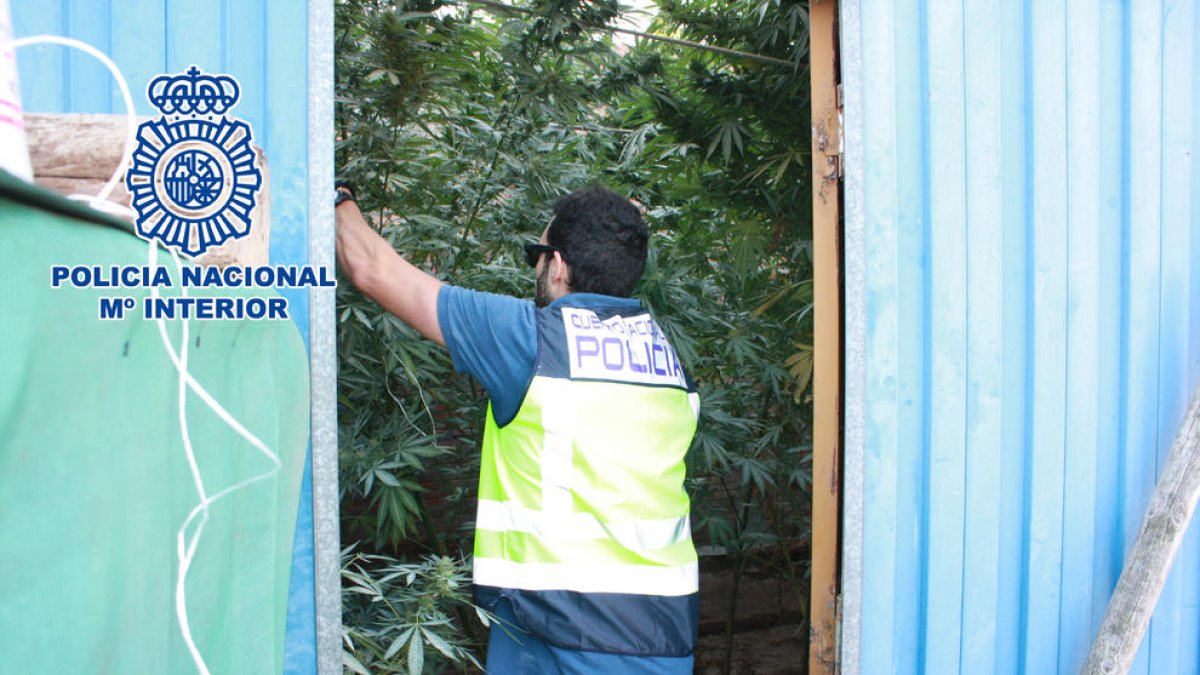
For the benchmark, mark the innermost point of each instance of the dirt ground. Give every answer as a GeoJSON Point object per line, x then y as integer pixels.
{"type": "Point", "coordinates": [769, 632]}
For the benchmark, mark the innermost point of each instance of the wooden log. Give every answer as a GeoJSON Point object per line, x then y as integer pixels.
{"type": "Point", "coordinates": [75, 154]}
{"type": "Point", "coordinates": [82, 186]}
{"type": "Point", "coordinates": [75, 146]}
{"type": "Point", "coordinates": [1149, 563]}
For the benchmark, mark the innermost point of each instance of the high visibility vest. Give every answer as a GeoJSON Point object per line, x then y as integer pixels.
{"type": "Point", "coordinates": [583, 519]}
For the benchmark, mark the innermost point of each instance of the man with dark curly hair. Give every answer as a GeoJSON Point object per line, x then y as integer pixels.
{"type": "Point", "coordinates": [583, 545]}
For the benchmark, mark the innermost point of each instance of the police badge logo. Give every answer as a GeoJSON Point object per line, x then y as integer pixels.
{"type": "Point", "coordinates": [193, 177]}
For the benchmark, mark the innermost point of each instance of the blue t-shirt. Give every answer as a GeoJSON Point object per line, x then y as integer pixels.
{"type": "Point", "coordinates": [494, 339]}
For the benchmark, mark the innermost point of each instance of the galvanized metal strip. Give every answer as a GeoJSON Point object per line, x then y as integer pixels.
{"type": "Point", "coordinates": [323, 341]}
{"type": "Point", "coordinates": [854, 308]}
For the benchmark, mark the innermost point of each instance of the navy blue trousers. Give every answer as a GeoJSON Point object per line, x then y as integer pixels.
{"type": "Point", "coordinates": [514, 651]}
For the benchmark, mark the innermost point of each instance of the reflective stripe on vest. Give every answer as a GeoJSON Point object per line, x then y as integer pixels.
{"type": "Point", "coordinates": [645, 535]}
{"type": "Point", "coordinates": [596, 578]}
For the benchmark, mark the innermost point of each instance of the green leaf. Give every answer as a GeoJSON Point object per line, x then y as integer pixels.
{"type": "Point", "coordinates": [399, 642]}
{"type": "Point", "coordinates": [352, 663]}
{"type": "Point", "coordinates": [387, 478]}
{"type": "Point", "coordinates": [439, 643]}
{"type": "Point", "coordinates": [416, 656]}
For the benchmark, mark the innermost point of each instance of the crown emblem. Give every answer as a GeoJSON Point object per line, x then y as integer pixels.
{"type": "Point", "coordinates": [193, 93]}
{"type": "Point", "coordinates": [194, 176]}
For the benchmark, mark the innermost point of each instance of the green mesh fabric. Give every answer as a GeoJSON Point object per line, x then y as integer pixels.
{"type": "Point", "coordinates": [94, 480]}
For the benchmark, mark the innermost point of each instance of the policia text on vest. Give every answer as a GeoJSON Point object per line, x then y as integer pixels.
{"type": "Point", "coordinates": [620, 349]}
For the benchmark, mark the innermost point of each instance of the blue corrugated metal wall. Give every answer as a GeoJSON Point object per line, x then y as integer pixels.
{"type": "Point", "coordinates": [264, 44]}
{"type": "Point", "coordinates": [1024, 205]}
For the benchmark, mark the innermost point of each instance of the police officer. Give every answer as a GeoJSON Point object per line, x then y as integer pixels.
{"type": "Point", "coordinates": [582, 539]}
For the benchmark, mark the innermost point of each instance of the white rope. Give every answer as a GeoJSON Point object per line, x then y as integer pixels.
{"type": "Point", "coordinates": [185, 546]}
{"type": "Point", "coordinates": [99, 201]}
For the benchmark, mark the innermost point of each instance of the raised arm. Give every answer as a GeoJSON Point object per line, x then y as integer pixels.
{"type": "Point", "coordinates": [376, 269]}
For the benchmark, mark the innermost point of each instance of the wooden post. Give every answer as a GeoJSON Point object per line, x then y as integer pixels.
{"type": "Point", "coordinates": [827, 338]}
{"type": "Point", "coordinates": [1145, 573]}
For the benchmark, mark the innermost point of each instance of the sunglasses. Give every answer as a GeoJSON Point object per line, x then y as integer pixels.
{"type": "Point", "coordinates": [533, 252]}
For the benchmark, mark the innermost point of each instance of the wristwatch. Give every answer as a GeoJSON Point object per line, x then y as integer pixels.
{"type": "Point", "coordinates": [344, 193]}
